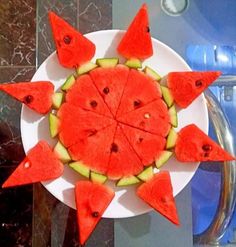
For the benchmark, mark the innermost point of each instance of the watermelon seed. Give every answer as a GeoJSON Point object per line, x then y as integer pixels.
{"type": "Point", "coordinates": [198, 83]}
{"type": "Point", "coordinates": [114, 148]}
{"type": "Point", "coordinates": [92, 132]}
{"type": "Point", "coordinates": [207, 147]}
{"type": "Point", "coordinates": [95, 214]}
{"type": "Point", "coordinates": [147, 115]}
{"type": "Point", "coordinates": [206, 154]}
{"type": "Point", "coordinates": [137, 103]}
{"type": "Point", "coordinates": [106, 90]}
{"type": "Point", "coordinates": [140, 139]}
{"type": "Point", "coordinates": [93, 103]}
{"type": "Point", "coordinates": [142, 124]}
{"type": "Point", "coordinates": [27, 165]}
{"type": "Point", "coordinates": [28, 99]}
{"type": "Point", "coordinates": [148, 29]}
{"type": "Point", "coordinates": [67, 39]}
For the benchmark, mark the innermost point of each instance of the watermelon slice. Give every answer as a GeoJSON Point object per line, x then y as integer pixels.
{"type": "Point", "coordinates": [40, 164]}
{"type": "Point", "coordinates": [194, 145]}
{"type": "Point", "coordinates": [73, 49]}
{"type": "Point", "coordinates": [148, 146]}
{"type": "Point", "coordinates": [36, 95]}
{"type": "Point", "coordinates": [140, 90]}
{"type": "Point", "coordinates": [84, 94]}
{"type": "Point", "coordinates": [187, 86]}
{"type": "Point", "coordinates": [92, 199]}
{"type": "Point", "coordinates": [136, 43]}
{"type": "Point", "coordinates": [77, 123]}
{"type": "Point", "coordinates": [110, 82]}
{"type": "Point", "coordinates": [158, 193]}
{"type": "Point", "coordinates": [152, 118]}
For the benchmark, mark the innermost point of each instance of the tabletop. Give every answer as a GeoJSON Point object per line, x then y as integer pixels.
{"type": "Point", "coordinates": [30, 215]}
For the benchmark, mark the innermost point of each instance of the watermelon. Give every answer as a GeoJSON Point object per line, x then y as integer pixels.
{"type": "Point", "coordinates": [194, 145]}
{"type": "Point", "coordinates": [36, 95]}
{"type": "Point", "coordinates": [92, 199]}
{"type": "Point", "coordinates": [187, 86]}
{"type": "Point", "coordinates": [136, 42]}
{"type": "Point", "coordinates": [158, 193]}
{"type": "Point", "coordinates": [84, 94]}
{"type": "Point", "coordinates": [40, 164]}
{"type": "Point", "coordinates": [73, 49]}
{"type": "Point", "coordinates": [140, 90]}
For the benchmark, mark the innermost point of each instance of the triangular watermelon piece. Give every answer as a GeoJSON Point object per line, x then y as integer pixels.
{"type": "Point", "coordinates": [84, 94]}
{"type": "Point", "coordinates": [136, 42]}
{"type": "Point", "coordinates": [123, 160]}
{"type": "Point", "coordinates": [77, 123]}
{"type": "Point", "coordinates": [95, 150]}
{"type": "Point", "coordinates": [92, 199]}
{"type": "Point", "coordinates": [36, 95]}
{"type": "Point", "coordinates": [194, 145]}
{"type": "Point", "coordinates": [187, 86]}
{"type": "Point", "coordinates": [158, 193]}
{"type": "Point", "coordinates": [153, 118]}
{"type": "Point", "coordinates": [148, 146]}
{"type": "Point", "coordinates": [73, 49]}
{"type": "Point", "coordinates": [110, 83]}
{"type": "Point", "coordinates": [40, 164]}
{"type": "Point", "coordinates": [140, 90]}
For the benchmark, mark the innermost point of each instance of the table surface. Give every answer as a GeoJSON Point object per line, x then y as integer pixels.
{"type": "Point", "coordinates": [31, 216]}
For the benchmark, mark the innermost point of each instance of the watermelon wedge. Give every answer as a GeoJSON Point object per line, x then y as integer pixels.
{"type": "Point", "coordinates": [136, 43]}
{"type": "Point", "coordinates": [36, 95]}
{"type": "Point", "coordinates": [194, 145]}
{"type": "Point", "coordinates": [84, 94]}
{"type": "Point", "coordinates": [158, 193]}
{"type": "Point", "coordinates": [187, 86]}
{"type": "Point", "coordinates": [40, 164]}
{"type": "Point", "coordinates": [92, 199]}
{"type": "Point", "coordinates": [73, 49]}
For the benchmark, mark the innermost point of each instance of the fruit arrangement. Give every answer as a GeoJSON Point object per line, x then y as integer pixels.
{"type": "Point", "coordinates": [113, 121]}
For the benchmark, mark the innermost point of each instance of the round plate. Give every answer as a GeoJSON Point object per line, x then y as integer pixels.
{"type": "Point", "coordinates": [35, 127]}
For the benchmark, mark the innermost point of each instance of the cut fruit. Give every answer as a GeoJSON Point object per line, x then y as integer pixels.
{"type": "Point", "coordinates": [152, 73]}
{"type": "Point", "coordinates": [134, 63]}
{"type": "Point", "coordinates": [107, 62]}
{"type": "Point", "coordinates": [61, 153]}
{"type": "Point", "coordinates": [126, 181]}
{"type": "Point", "coordinates": [187, 86]}
{"type": "Point", "coordinates": [194, 145]}
{"type": "Point", "coordinates": [73, 49]}
{"type": "Point", "coordinates": [92, 199]}
{"type": "Point", "coordinates": [163, 158]}
{"type": "Point", "coordinates": [171, 139]}
{"type": "Point", "coordinates": [68, 83]}
{"type": "Point", "coordinates": [57, 99]}
{"type": "Point", "coordinates": [85, 68]}
{"type": "Point", "coordinates": [158, 193]}
{"type": "Point", "coordinates": [167, 96]}
{"type": "Point", "coordinates": [98, 178]}
{"type": "Point", "coordinates": [136, 42]}
{"type": "Point", "coordinates": [54, 123]}
{"type": "Point", "coordinates": [40, 164]}
{"type": "Point", "coordinates": [146, 174]}
{"type": "Point", "coordinates": [139, 91]}
{"type": "Point", "coordinates": [36, 95]}
{"type": "Point", "coordinates": [81, 168]}
{"type": "Point", "coordinates": [173, 116]}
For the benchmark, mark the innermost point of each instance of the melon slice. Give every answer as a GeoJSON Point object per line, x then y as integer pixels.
{"type": "Point", "coordinates": [146, 174]}
{"type": "Point", "coordinates": [136, 42]}
{"type": "Point", "coordinates": [40, 164]}
{"type": "Point", "coordinates": [194, 145]}
{"type": "Point", "coordinates": [36, 95]}
{"type": "Point", "coordinates": [187, 86]}
{"type": "Point", "coordinates": [110, 83]}
{"type": "Point", "coordinates": [83, 93]}
{"type": "Point", "coordinates": [73, 49]}
{"type": "Point", "coordinates": [153, 118]}
{"type": "Point", "coordinates": [92, 199]}
{"type": "Point", "coordinates": [158, 193]}
{"type": "Point", "coordinates": [139, 91]}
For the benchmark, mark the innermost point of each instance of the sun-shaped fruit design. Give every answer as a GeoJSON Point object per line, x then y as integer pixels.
{"type": "Point", "coordinates": [113, 121]}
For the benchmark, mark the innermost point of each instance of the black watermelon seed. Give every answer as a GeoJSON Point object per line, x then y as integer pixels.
{"type": "Point", "coordinates": [207, 147]}
{"type": "Point", "coordinates": [67, 39]}
{"type": "Point", "coordinates": [148, 29]}
{"type": "Point", "coordinates": [28, 99]}
{"type": "Point", "coordinates": [198, 83]}
{"type": "Point", "coordinates": [106, 90]}
{"type": "Point", "coordinates": [140, 139]}
{"type": "Point", "coordinates": [95, 214]}
{"type": "Point", "coordinates": [93, 103]}
{"type": "Point", "coordinates": [114, 148]}
{"type": "Point", "coordinates": [137, 103]}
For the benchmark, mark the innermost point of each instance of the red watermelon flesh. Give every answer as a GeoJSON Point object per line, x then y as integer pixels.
{"type": "Point", "coordinates": [77, 123]}
{"type": "Point", "coordinates": [73, 49]}
{"type": "Point", "coordinates": [85, 95]}
{"type": "Point", "coordinates": [146, 145]}
{"type": "Point", "coordinates": [36, 95]}
{"type": "Point", "coordinates": [152, 118]}
{"type": "Point", "coordinates": [139, 91]}
{"type": "Point", "coordinates": [110, 82]}
{"type": "Point", "coordinates": [158, 193]}
{"type": "Point", "coordinates": [95, 150]}
{"type": "Point", "coordinates": [187, 86]}
{"type": "Point", "coordinates": [40, 164]}
{"type": "Point", "coordinates": [92, 200]}
{"type": "Point", "coordinates": [194, 145]}
{"type": "Point", "coordinates": [123, 160]}
{"type": "Point", "coordinates": [136, 42]}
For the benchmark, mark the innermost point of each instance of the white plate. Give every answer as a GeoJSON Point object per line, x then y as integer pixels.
{"type": "Point", "coordinates": [35, 127]}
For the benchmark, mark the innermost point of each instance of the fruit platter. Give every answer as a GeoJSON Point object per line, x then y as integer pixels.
{"type": "Point", "coordinates": [113, 123]}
